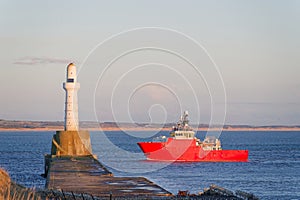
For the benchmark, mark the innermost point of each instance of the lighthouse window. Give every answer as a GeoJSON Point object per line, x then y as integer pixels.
{"type": "Point", "coordinates": [70, 80]}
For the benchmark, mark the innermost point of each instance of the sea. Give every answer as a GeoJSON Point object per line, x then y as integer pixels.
{"type": "Point", "coordinates": [272, 172]}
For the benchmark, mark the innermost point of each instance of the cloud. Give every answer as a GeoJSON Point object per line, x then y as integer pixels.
{"type": "Point", "coordinates": [41, 60]}
{"type": "Point", "coordinates": [263, 103]}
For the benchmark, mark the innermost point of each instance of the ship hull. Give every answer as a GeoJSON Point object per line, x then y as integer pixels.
{"type": "Point", "coordinates": [188, 151]}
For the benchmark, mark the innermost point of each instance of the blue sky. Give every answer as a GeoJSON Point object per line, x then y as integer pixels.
{"type": "Point", "coordinates": [255, 45]}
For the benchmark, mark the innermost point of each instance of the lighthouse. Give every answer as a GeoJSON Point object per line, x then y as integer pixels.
{"type": "Point", "coordinates": [71, 141]}
{"type": "Point", "coordinates": [71, 86]}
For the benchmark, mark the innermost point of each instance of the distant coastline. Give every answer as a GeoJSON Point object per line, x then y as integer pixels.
{"type": "Point", "coordinates": [14, 125]}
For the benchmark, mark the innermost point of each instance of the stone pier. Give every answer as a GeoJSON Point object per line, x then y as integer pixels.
{"type": "Point", "coordinates": [71, 167]}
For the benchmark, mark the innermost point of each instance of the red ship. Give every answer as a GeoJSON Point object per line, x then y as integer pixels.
{"type": "Point", "coordinates": [182, 145]}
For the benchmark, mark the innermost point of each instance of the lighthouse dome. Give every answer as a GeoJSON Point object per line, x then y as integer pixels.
{"type": "Point", "coordinates": [71, 72]}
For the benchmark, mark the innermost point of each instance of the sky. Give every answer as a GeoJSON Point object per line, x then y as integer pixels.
{"type": "Point", "coordinates": [232, 62]}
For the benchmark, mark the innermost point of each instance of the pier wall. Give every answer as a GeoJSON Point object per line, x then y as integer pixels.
{"type": "Point", "coordinates": [71, 143]}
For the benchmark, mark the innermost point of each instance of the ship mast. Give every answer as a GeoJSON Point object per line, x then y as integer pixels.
{"type": "Point", "coordinates": [185, 121]}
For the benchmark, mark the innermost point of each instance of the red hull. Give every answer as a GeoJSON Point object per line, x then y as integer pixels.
{"type": "Point", "coordinates": [188, 150]}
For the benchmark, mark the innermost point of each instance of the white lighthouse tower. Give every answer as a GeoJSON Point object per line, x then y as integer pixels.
{"type": "Point", "coordinates": [71, 141]}
{"type": "Point", "coordinates": [71, 104]}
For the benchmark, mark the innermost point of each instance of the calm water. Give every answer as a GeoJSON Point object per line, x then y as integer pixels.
{"type": "Point", "coordinates": [273, 171]}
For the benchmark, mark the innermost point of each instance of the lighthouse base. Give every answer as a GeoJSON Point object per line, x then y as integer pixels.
{"type": "Point", "coordinates": [71, 143]}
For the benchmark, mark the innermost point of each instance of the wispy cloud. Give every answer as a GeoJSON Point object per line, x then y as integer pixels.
{"type": "Point", "coordinates": [40, 60]}
{"type": "Point", "coordinates": [263, 103]}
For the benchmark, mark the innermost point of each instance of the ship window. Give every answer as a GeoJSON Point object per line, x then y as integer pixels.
{"type": "Point", "coordinates": [70, 80]}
